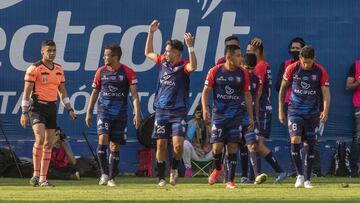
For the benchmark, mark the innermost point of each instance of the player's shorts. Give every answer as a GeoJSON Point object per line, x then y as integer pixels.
{"type": "Point", "coordinates": [308, 127]}
{"type": "Point", "coordinates": [249, 137]}
{"type": "Point", "coordinates": [169, 123]}
{"type": "Point", "coordinates": [265, 124]}
{"type": "Point", "coordinates": [43, 112]}
{"type": "Point", "coordinates": [228, 131]}
{"type": "Point", "coordinates": [114, 128]}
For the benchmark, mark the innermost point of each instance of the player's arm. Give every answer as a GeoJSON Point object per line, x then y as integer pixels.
{"type": "Point", "coordinates": [136, 104]}
{"type": "Point", "coordinates": [189, 41]}
{"type": "Point", "coordinates": [257, 99]}
{"type": "Point", "coordinates": [65, 100]}
{"type": "Point", "coordinates": [93, 97]}
{"type": "Point", "coordinates": [282, 93]}
{"type": "Point", "coordinates": [351, 84]}
{"type": "Point", "coordinates": [25, 103]}
{"type": "Point", "coordinates": [325, 90]}
{"type": "Point", "coordinates": [149, 46]}
{"type": "Point", "coordinates": [249, 109]}
{"type": "Point", "coordinates": [205, 103]}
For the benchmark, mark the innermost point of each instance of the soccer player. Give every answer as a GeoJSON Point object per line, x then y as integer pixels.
{"type": "Point", "coordinates": [112, 83]}
{"type": "Point", "coordinates": [171, 98]}
{"type": "Point", "coordinates": [44, 80]}
{"type": "Point", "coordinates": [264, 110]}
{"type": "Point", "coordinates": [229, 84]}
{"type": "Point", "coordinates": [250, 137]}
{"type": "Point", "coordinates": [308, 81]}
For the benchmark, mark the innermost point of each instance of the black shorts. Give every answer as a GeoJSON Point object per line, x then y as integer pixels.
{"type": "Point", "coordinates": [43, 113]}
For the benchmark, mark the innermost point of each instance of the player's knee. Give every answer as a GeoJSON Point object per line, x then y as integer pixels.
{"type": "Point", "coordinates": [177, 148]}
{"type": "Point", "coordinates": [114, 147]}
{"type": "Point", "coordinates": [232, 148]}
{"type": "Point", "coordinates": [48, 144]}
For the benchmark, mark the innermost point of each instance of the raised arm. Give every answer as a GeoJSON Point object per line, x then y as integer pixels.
{"type": "Point", "coordinates": [149, 46]}
{"type": "Point", "coordinates": [189, 41]}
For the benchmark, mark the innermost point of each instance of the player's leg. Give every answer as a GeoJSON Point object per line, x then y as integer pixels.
{"type": "Point", "coordinates": [265, 128]}
{"type": "Point", "coordinates": [178, 130]}
{"type": "Point", "coordinates": [232, 149]}
{"type": "Point", "coordinates": [217, 140]}
{"type": "Point", "coordinates": [244, 158]}
{"type": "Point", "coordinates": [37, 151]}
{"type": "Point", "coordinates": [311, 133]}
{"type": "Point", "coordinates": [117, 136]}
{"type": "Point", "coordinates": [188, 150]}
{"type": "Point", "coordinates": [295, 125]}
{"type": "Point", "coordinates": [161, 154]}
{"type": "Point", "coordinates": [252, 145]}
{"type": "Point", "coordinates": [103, 129]}
{"type": "Point", "coordinates": [46, 156]}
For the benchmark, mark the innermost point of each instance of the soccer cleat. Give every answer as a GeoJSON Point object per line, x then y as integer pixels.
{"type": "Point", "coordinates": [307, 185]}
{"type": "Point", "coordinates": [260, 178]}
{"type": "Point", "coordinates": [173, 176]}
{"type": "Point", "coordinates": [299, 181]}
{"type": "Point", "coordinates": [162, 183]}
{"type": "Point", "coordinates": [188, 173]}
{"type": "Point", "coordinates": [34, 181]}
{"type": "Point", "coordinates": [111, 183]}
{"type": "Point", "coordinates": [214, 176]}
{"type": "Point", "coordinates": [280, 177]}
{"type": "Point", "coordinates": [245, 180]}
{"type": "Point", "coordinates": [104, 179]}
{"type": "Point", "coordinates": [46, 184]}
{"type": "Point", "coordinates": [230, 185]}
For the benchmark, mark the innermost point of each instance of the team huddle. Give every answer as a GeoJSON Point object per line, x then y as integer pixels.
{"type": "Point", "coordinates": [240, 85]}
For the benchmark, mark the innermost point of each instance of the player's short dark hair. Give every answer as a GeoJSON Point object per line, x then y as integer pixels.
{"type": "Point", "coordinates": [259, 47]}
{"type": "Point", "coordinates": [307, 52]}
{"type": "Point", "coordinates": [250, 59]}
{"type": "Point", "coordinates": [176, 44]}
{"type": "Point", "coordinates": [47, 43]}
{"type": "Point", "coordinates": [232, 37]}
{"type": "Point", "coordinates": [298, 40]}
{"type": "Point", "coordinates": [115, 50]}
{"type": "Point", "coordinates": [231, 49]}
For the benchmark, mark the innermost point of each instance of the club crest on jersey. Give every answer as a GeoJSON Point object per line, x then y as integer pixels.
{"type": "Point", "coordinates": [314, 77]}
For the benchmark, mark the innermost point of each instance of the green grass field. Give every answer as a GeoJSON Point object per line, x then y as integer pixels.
{"type": "Point", "coordinates": [135, 189]}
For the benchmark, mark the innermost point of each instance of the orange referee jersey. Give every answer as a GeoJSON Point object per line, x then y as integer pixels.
{"type": "Point", "coordinates": [46, 81]}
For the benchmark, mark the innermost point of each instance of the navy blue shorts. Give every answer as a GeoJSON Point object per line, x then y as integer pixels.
{"type": "Point", "coordinates": [250, 137]}
{"type": "Point", "coordinates": [169, 123]}
{"type": "Point", "coordinates": [228, 131]}
{"type": "Point", "coordinates": [115, 128]}
{"type": "Point", "coordinates": [265, 124]}
{"type": "Point", "coordinates": [304, 126]}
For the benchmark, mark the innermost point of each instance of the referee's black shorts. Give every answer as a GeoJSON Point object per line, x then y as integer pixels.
{"type": "Point", "coordinates": [43, 112]}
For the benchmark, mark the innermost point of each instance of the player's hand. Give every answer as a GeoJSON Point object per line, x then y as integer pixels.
{"type": "Point", "coordinates": [137, 121]}
{"type": "Point", "coordinates": [88, 119]}
{"type": "Point", "coordinates": [189, 39]}
{"type": "Point", "coordinates": [206, 116]}
{"type": "Point", "coordinates": [24, 119]}
{"type": "Point", "coordinates": [154, 26]}
{"type": "Point", "coordinates": [323, 117]}
{"type": "Point", "coordinates": [282, 118]}
{"type": "Point", "coordinates": [72, 115]}
{"type": "Point", "coordinates": [251, 126]}
{"type": "Point", "coordinates": [256, 41]}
